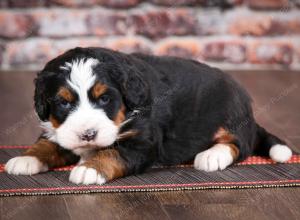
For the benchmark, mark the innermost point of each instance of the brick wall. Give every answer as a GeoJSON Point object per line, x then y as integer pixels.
{"type": "Point", "coordinates": [231, 34]}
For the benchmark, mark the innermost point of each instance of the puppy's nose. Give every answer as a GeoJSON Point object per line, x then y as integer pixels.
{"type": "Point", "coordinates": [88, 135]}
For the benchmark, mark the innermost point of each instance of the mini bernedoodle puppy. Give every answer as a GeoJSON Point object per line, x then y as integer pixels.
{"type": "Point", "coordinates": [116, 114]}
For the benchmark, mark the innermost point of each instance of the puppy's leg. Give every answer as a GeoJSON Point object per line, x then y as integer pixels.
{"type": "Point", "coordinates": [104, 166]}
{"type": "Point", "coordinates": [39, 158]}
{"type": "Point", "coordinates": [222, 154]}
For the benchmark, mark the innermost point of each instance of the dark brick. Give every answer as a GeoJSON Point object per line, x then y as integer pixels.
{"type": "Point", "coordinates": [220, 51]}
{"type": "Point", "coordinates": [73, 3]}
{"type": "Point", "coordinates": [119, 3]}
{"type": "Point", "coordinates": [27, 3]}
{"type": "Point", "coordinates": [89, 3]}
{"type": "Point", "coordinates": [174, 3]}
{"type": "Point", "coordinates": [269, 4]}
{"type": "Point", "coordinates": [16, 25]}
{"type": "Point", "coordinates": [161, 23]}
{"type": "Point", "coordinates": [4, 4]}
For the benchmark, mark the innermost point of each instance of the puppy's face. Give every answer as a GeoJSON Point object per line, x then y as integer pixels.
{"type": "Point", "coordinates": [83, 107]}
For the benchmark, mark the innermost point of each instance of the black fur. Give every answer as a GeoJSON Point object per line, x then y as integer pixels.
{"type": "Point", "coordinates": [181, 103]}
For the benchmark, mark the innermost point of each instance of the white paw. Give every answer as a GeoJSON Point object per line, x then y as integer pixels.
{"type": "Point", "coordinates": [280, 153]}
{"type": "Point", "coordinates": [217, 157]}
{"type": "Point", "coordinates": [25, 165]}
{"type": "Point", "coordinates": [85, 175]}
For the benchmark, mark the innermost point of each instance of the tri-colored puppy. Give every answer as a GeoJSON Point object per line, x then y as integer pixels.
{"type": "Point", "coordinates": [116, 114]}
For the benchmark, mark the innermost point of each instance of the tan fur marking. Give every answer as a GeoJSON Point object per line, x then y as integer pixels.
{"type": "Point", "coordinates": [47, 153]}
{"type": "Point", "coordinates": [98, 90]}
{"type": "Point", "coordinates": [66, 94]}
{"type": "Point", "coordinates": [120, 117]}
{"type": "Point", "coordinates": [234, 151]}
{"type": "Point", "coordinates": [54, 122]}
{"type": "Point", "coordinates": [223, 136]}
{"type": "Point", "coordinates": [109, 163]}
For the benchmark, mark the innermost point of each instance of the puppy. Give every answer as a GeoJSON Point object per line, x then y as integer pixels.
{"type": "Point", "coordinates": [115, 115]}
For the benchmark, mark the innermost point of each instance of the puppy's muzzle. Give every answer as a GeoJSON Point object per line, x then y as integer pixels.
{"type": "Point", "coordinates": [88, 135]}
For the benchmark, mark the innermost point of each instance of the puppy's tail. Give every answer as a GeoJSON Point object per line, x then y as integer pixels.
{"type": "Point", "coordinates": [270, 145]}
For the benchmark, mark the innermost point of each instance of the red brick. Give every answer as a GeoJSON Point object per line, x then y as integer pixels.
{"type": "Point", "coordinates": [260, 25]}
{"type": "Point", "coordinates": [220, 51]}
{"type": "Point", "coordinates": [186, 48]}
{"type": "Point", "coordinates": [130, 45]}
{"type": "Point", "coordinates": [268, 4]}
{"type": "Point", "coordinates": [61, 23]}
{"type": "Point", "coordinates": [160, 23]}
{"type": "Point", "coordinates": [292, 26]}
{"type": "Point", "coordinates": [106, 22]}
{"type": "Point", "coordinates": [270, 53]}
{"type": "Point", "coordinates": [16, 25]}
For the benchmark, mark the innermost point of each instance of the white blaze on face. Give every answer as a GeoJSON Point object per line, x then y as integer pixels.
{"type": "Point", "coordinates": [84, 116]}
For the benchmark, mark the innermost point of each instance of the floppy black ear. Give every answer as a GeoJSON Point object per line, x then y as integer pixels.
{"type": "Point", "coordinates": [134, 88]}
{"type": "Point", "coordinates": [41, 102]}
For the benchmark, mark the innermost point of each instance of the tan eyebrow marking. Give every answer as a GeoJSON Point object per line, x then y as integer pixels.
{"type": "Point", "coordinates": [66, 94]}
{"type": "Point", "coordinates": [98, 89]}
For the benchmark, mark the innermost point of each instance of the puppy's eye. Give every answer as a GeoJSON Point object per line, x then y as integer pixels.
{"type": "Point", "coordinates": [104, 100]}
{"type": "Point", "coordinates": [65, 104]}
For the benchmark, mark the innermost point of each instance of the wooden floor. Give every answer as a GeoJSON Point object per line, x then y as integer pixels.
{"type": "Point", "coordinates": [276, 107]}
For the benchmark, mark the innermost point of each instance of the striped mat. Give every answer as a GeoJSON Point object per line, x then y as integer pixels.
{"type": "Point", "coordinates": [254, 172]}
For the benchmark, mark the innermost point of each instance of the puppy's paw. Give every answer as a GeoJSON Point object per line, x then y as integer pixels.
{"type": "Point", "coordinates": [85, 175]}
{"type": "Point", "coordinates": [25, 165]}
{"type": "Point", "coordinates": [217, 157]}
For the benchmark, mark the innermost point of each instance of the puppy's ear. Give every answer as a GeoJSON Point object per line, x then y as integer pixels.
{"type": "Point", "coordinates": [134, 88]}
{"type": "Point", "coordinates": [41, 102]}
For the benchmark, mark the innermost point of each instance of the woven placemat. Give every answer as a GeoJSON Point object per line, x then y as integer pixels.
{"type": "Point", "coordinates": [255, 172]}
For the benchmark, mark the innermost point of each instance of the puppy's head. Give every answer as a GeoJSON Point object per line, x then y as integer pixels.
{"type": "Point", "coordinates": [82, 97]}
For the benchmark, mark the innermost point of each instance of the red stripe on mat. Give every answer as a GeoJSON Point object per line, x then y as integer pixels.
{"type": "Point", "coordinates": [253, 160]}
{"type": "Point", "coordinates": [151, 186]}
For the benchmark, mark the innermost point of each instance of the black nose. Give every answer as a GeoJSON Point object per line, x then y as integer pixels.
{"type": "Point", "coordinates": [88, 135]}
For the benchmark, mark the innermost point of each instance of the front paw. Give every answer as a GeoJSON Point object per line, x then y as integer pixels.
{"type": "Point", "coordinates": [86, 175]}
{"type": "Point", "coordinates": [25, 165]}
{"type": "Point", "coordinates": [216, 158]}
